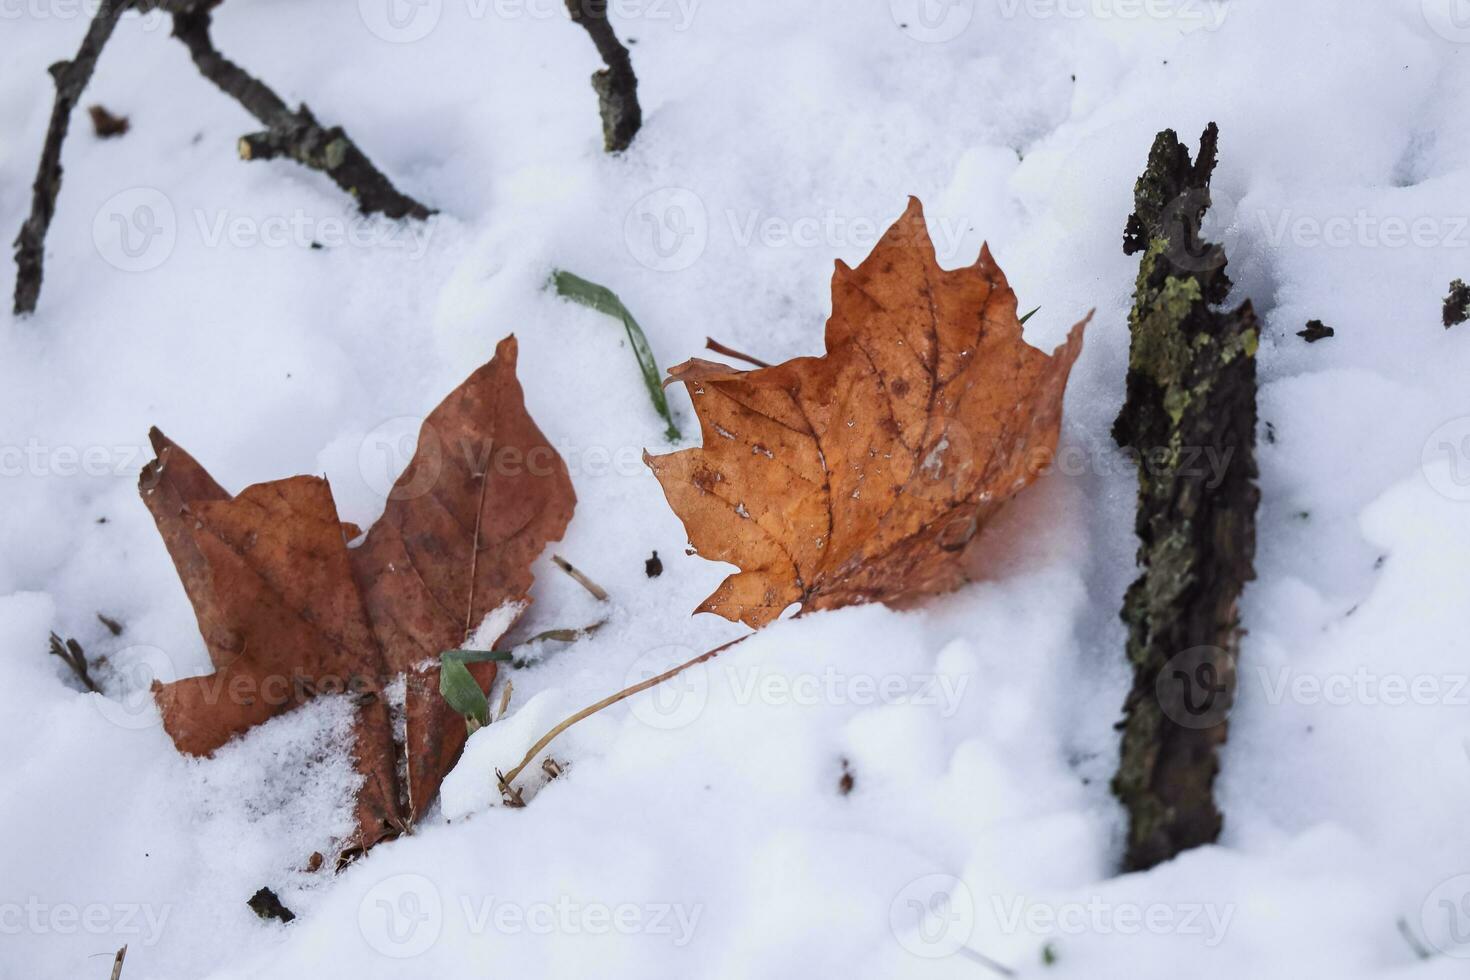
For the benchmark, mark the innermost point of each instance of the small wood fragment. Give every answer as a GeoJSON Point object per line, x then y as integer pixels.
{"type": "Point", "coordinates": [1456, 304]}
{"type": "Point", "coordinates": [105, 124]}
{"type": "Point", "coordinates": [266, 904]}
{"type": "Point", "coordinates": [1315, 331]}
{"type": "Point", "coordinates": [597, 591]}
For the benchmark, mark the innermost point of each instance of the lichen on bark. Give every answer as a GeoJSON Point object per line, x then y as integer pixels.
{"type": "Point", "coordinates": [1191, 396]}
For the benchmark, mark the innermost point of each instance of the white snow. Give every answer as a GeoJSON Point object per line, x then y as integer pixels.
{"type": "Point", "coordinates": [699, 829]}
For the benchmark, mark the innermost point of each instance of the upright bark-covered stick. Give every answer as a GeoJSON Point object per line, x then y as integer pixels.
{"type": "Point", "coordinates": [616, 85]}
{"type": "Point", "coordinates": [1191, 398]}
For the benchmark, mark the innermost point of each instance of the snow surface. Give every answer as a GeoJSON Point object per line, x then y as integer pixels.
{"type": "Point", "coordinates": [701, 830]}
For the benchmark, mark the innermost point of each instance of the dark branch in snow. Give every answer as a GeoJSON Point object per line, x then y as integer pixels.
{"type": "Point", "coordinates": [1190, 419]}
{"type": "Point", "coordinates": [295, 135]}
{"type": "Point", "coordinates": [71, 653]}
{"type": "Point", "coordinates": [71, 78]}
{"type": "Point", "coordinates": [616, 85]}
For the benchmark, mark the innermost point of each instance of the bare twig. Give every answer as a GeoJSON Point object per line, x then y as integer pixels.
{"type": "Point", "coordinates": [597, 591]}
{"type": "Point", "coordinates": [558, 635]}
{"type": "Point", "coordinates": [1418, 947]}
{"type": "Point", "coordinates": [719, 348]}
{"type": "Point", "coordinates": [508, 778]}
{"type": "Point", "coordinates": [987, 962]}
{"type": "Point", "coordinates": [117, 962]}
{"type": "Point", "coordinates": [71, 78]}
{"type": "Point", "coordinates": [616, 85]}
{"type": "Point", "coordinates": [295, 135]}
{"type": "Point", "coordinates": [71, 653]}
{"type": "Point", "coordinates": [509, 793]}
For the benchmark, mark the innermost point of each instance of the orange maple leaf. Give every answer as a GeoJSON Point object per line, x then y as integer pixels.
{"type": "Point", "coordinates": [863, 475]}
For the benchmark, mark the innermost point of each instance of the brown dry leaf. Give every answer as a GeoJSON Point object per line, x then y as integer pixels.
{"type": "Point", "coordinates": [863, 475]}
{"type": "Point", "coordinates": [288, 611]}
{"type": "Point", "coordinates": [425, 584]}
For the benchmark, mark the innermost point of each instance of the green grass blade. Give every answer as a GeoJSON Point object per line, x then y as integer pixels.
{"type": "Point", "coordinates": [474, 656]}
{"type": "Point", "coordinates": [604, 300]}
{"type": "Point", "coordinates": [462, 691]}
